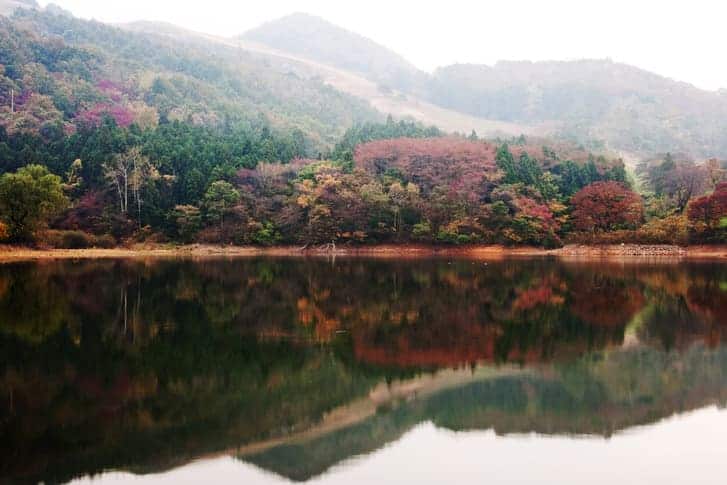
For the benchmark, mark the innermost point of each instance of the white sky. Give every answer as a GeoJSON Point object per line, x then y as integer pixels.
{"type": "Point", "coordinates": [684, 40]}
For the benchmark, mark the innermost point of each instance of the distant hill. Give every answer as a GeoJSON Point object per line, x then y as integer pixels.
{"type": "Point", "coordinates": [7, 7]}
{"type": "Point", "coordinates": [598, 102]}
{"type": "Point", "coordinates": [316, 39]}
{"type": "Point", "coordinates": [303, 72]}
{"type": "Point", "coordinates": [63, 71]}
{"type": "Point", "coordinates": [401, 105]}
{"type": "Point", "coordinates": [625, 107]}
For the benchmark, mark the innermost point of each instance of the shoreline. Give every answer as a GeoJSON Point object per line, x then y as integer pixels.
{"type": "Point", "coordinates": [664, 253]}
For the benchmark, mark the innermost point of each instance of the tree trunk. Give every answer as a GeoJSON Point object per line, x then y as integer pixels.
{"type": "Point", "coordinates": [126, 191]}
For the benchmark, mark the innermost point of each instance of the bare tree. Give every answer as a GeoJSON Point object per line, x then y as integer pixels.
{"type": "Point", "coordinates": [684, 181]}
{"type": "Point", "coordinates": [676, 180]}
{"type": "Point", "coordinates": [130, 172]}
{"type": "Point", "coordinates": [117, 173]}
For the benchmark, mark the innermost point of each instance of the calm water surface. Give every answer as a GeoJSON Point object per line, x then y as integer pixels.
{"type": "Point", "coordinates": [362, 371]}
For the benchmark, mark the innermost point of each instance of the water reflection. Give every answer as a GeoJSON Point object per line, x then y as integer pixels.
{"type": "Point", "coordinates": [685, 449]}
{"type": "Point", "coordinates": [295, 365]}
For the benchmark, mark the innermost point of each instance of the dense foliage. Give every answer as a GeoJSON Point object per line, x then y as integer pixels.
{"type": "Point", "coordinates": [59, 73]}
{"type": "Point", "coordinates": [366, 132]}
{"type": "Point", "coordinates": [177, 181]}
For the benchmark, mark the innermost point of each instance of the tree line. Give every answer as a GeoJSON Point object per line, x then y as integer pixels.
{"type": "Point", "coordinates": [392, 182]}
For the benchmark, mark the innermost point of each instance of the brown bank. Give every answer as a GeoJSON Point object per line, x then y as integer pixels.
{"type": "Point", "coordinates": [619, 251]}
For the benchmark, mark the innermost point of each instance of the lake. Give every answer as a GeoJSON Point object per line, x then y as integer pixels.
{"type": "Point", "coordinates": [359, 371]}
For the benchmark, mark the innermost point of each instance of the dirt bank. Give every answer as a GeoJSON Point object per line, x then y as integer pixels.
{"type": "Point", "coordinates": [10, 253]}
{"type": "Point", "coordinates": [675, 253]}
{"type": "Point", "coordinates": [642, 251]}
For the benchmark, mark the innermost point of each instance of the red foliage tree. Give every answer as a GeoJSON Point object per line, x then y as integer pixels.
{"type": "Point", "coordinates": [707, 215]}
{"type": "Point", "coordinates": [604, 206]}
{"type": "Point", "coordinates": [94, 115]}
{"type": "Point", "coordinates": [539, 212]}
{"type": "Point", "coordinates": [111, 89]}
{"type": "Point", "coordinates": [86, 215]}
{"type": "Point", "coordinates": [459, 165]}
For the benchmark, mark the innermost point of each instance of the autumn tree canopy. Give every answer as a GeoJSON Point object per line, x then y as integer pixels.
{"type": "Point", "coordinates": [605, 206]}
{"type": "Point", "coordinates": [452, 163]}
{"type": "Point", "coordinates": [708, 216]}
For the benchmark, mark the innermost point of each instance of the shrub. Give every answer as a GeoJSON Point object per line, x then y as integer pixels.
{"type": "Point", "coordinates": [267, 235]}
{"type": "Point", "coordinates": [669, 230]}
{"type": "Point", "coordinates": [449, 237]}
{"type": "Point", "coordinates": [54, 239]}
{"type": "Point", "coordinates": [211, 235]}
{"type": "Point", "coordinates": [421, 230]}
{"type": "Point", "coordinates": [105, 241]}
{"type": "Point", "coordinates": [76, 240]}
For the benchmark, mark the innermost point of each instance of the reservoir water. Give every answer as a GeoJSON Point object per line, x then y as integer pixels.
{"type": "Point", "coordinates": [358, 371]}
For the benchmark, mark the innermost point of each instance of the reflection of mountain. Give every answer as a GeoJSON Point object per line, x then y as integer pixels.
{"type": "Point", "coordinates": [144, 366]}
{"type": "Point", "coordinates": [597, 395]}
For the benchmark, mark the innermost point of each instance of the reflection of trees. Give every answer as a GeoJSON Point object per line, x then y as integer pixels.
{"type": "Point", "coordinates": [685, 306]}
{"type": "Point", "coordinates": [196, 391]}
{"type": "Point", "coordinates": [709, 300]}
{"type": "Point", "coordinates": [424, 313]}
{"type": "Point", "coordinates": [34, 305]}
{"type": "Point", "coordinates": [398, 313]}
{"type": "Point", "coordinates": [463, 315]}
{"type": "Point", "coordinates": [601, 300]}
{"type": "Point", "coordinates": [104, 363]}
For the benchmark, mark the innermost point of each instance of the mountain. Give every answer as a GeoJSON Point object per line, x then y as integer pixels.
{"type": "Point", "coordinates": [599, 102]}
{"type": "Point", "coordinates": [306, 73]}
{"type": "Point", "coordinates": [56, 70]}
{"type": "Point", "coordinates": [316, 39]}
{"type": "Point", "coordinates": [625, 107]}
{"type": "Point", "coordinates": [400, 104]}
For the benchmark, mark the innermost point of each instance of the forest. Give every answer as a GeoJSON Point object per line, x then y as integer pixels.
{"type": "Point", "coordinates": [394, 182]}
{"type": "Point", "coordinates": [111, 137]}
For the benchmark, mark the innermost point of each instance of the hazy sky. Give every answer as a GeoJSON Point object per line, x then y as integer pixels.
{"type": "Point", "coordinates": [684, 40]}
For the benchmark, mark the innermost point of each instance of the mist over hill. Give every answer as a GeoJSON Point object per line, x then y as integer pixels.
{"type": "Point", "coordinates": [626, 107]}
{"type": "Point", "coordinates": [593, 100]}
{"type": "Point", "coordinates": [322, 41]}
